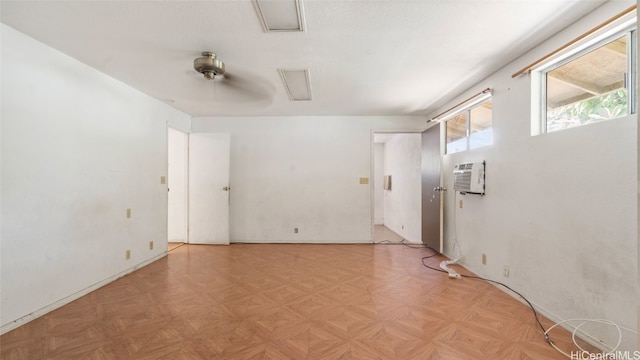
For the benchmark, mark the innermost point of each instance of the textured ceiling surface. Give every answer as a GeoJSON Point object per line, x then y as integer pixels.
{"type": "Point", "coordinates": [382, 57]}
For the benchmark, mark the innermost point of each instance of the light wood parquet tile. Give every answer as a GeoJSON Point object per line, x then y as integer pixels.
{"type": "Point", "coordinates": [288, 302]}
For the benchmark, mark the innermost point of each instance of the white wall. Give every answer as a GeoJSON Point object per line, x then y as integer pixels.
{"type": "Point", "coordinates": [638, 202]}
{"type": "Point", "coordinates": [403, 203]}
{"type": "Point", "coordinates": [177, 181]}
{"type": "Point", "coordinates": [560, 209]}
{"type": "Point", "coordinates": [78, 149]}
{"type": "Point", "coordinates": [302, 172]}
{"type": "Point", "coordinates": [378, 184]}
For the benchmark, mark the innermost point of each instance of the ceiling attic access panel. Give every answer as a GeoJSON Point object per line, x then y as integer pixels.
{"type": "Point", "coordinates": [280, 16]}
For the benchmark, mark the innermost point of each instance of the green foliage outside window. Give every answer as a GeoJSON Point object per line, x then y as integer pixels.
{"type": "Point", "coordinates": [606, 107]}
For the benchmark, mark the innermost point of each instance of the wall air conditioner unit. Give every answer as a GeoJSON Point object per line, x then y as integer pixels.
{"type": "Point", "coordinates": [469, 178]}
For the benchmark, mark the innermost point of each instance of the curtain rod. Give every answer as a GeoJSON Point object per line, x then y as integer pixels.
{"type": "Point", "coordinates": [563, 47]}
{"type": "Point", "coordinates": [460, 103]}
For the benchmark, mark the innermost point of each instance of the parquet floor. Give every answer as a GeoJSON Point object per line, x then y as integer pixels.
{"type": "Point", "coordinates": [263, 301]}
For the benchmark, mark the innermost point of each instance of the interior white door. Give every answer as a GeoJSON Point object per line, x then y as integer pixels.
{"type": "Point", "coordinates": [209, 164]}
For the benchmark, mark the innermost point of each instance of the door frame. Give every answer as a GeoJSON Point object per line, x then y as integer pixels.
{"type": "Point", "coordinates": [372, 175]}
{"type": "Point", "coordinates": [185, 205]}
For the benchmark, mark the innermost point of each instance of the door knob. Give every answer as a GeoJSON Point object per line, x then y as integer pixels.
{"type": "Point", "coordinates": [439, 188]}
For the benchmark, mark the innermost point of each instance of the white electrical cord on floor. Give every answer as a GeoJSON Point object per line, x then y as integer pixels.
{"type": "Point", "coordinates": [452, 273]}
{"type": "Point", "coordinates": [444, 265]}
{"type": "Point", "coordinates": [583, 322]}
{"type": "Point", "coordinates": [456, 246]}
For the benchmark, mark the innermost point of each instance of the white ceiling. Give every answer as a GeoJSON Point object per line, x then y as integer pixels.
{"type": "Point", "coordinates": [379, 57]}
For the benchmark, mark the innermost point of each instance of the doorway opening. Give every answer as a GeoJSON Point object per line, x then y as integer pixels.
{"type": "Point", "coordinates": [397, 187]}
{"type": "Point", "coordinates": [177, 196]}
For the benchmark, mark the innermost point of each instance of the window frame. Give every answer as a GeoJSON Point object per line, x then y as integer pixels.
{"type": "Point", "coordinates": [467, 125]}
{"type": "Point", "coordinates": [466, 109]}
{"type": "Point", "coordinates": [627, 27]}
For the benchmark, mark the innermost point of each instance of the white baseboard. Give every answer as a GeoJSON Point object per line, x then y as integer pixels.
{"type": "Point", "coordinates": [298, 242]}
{"type": "Point", "coordinates": [42, 311]}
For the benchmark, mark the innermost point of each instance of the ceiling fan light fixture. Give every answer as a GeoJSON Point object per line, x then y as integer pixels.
{"type": "Point", "coordinates": [280, 15]}
{"type": "Point", "coordinates": [296, 83]}
{"type": "Point", "coordinates": [208, 65]}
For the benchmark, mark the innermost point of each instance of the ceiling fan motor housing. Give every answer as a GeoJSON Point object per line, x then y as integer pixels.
{"type": "Point", "coordinates": [208, 65]}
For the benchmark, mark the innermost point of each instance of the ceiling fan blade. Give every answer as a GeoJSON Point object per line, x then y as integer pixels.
{"type": "Point", "coordinates": [251, 88]}
{"type": "Point", "coordinates": [233, 88]}
{"type": "Point", "coordinates": [228, 87]}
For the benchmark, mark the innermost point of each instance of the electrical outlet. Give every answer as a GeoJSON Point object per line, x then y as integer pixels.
{"type": "Point", "coordinates": [295, 230]}
{"type": "Point", "coordinates": [150, 245]}
{"type": "Point", "coordinates": [163, 180]}
{"type": "Point", "coordinates": [127, 255]}
{"type": "Point", "coordinates": [460, 203]}
{"type": "Point", "coordinates": [484, 259]}
{"type": "Point", "coordinates": [128, 213]}
{"type": "Point", "coordinates": [505, 271]}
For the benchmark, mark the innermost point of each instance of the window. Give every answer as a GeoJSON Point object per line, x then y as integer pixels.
{"type": "Point", "coordinates": [592, 83]}
{"type": "Point", "coordinates": [470, 127]}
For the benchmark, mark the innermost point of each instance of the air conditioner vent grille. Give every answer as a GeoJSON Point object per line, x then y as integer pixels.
{"type": "Point", "coordinates": [462, 180]}
{"type": "Point", "coordinates": [469, 178]}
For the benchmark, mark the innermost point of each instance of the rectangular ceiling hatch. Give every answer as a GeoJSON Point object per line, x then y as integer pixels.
{"type": "Point", "coordinates": [281, 15]}
{"type": "Point", "coordinates": [296, 82]}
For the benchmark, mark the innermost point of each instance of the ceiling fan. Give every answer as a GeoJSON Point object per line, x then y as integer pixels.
{"type": "Point", "coordinates": [234, 88]}
{"type": "Point", "coordinates": [208, 65]}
